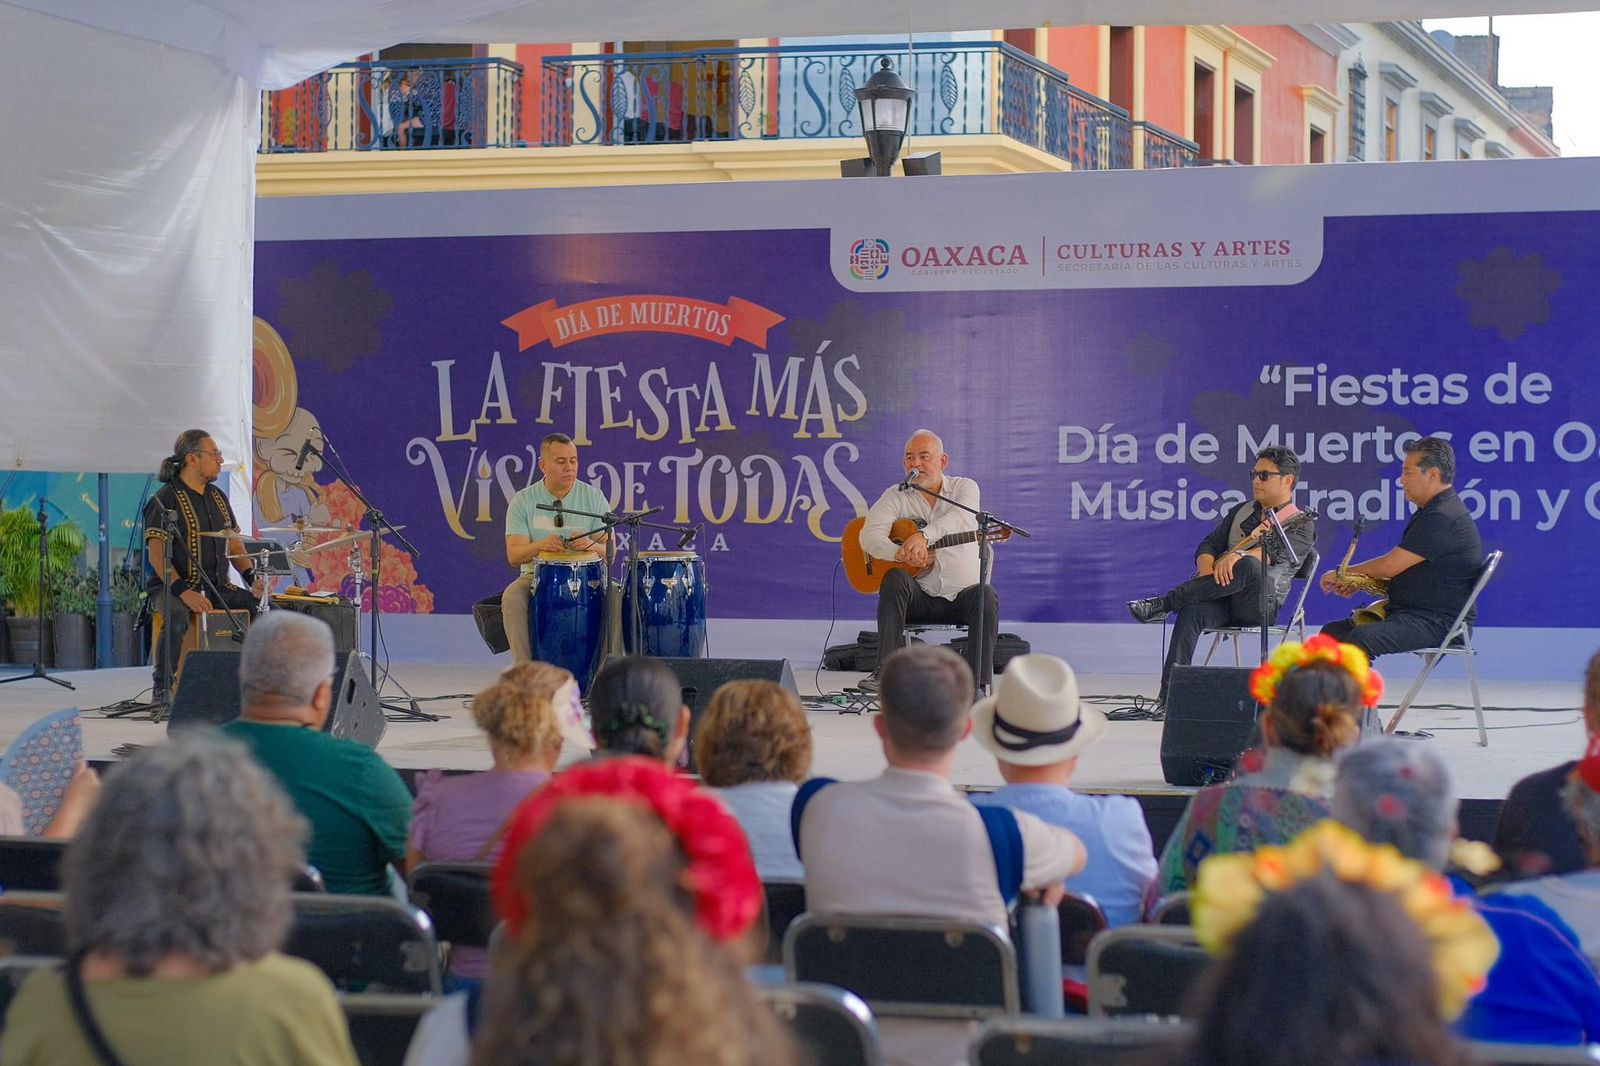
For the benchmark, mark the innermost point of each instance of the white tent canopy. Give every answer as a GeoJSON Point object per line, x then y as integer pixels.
{"type": "Point", "coordinates": [127, 182]}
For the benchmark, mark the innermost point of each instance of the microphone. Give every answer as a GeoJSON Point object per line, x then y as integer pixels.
{"type": "Point", "coordinates": [688, 537]}
{"type": "Point", "coordinates": [909, 481]}
{"type": "Point", "coordinates": [300, 463]}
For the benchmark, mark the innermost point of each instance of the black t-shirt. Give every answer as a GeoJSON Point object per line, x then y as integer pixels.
{"type": "Point", "coordinates": [197, 512]}
{"type": "Point", "coordinates": [1446, 537]}
{"type": "Point", "coordinates": [1535, 835]}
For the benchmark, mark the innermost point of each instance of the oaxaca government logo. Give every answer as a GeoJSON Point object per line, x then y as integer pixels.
{"type": "Point", "coordinates": [869, 258]}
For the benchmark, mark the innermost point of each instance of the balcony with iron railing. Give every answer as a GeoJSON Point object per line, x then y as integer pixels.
{"type": "Point", "coordinates": [771, 94]}
{"type": "Point", "coordinates": [808, 92]}
{"type": "Point", "coordinates": [428, 104]}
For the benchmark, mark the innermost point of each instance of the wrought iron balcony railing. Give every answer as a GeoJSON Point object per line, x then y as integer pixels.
{"type": "Point", "coordinates": [432, 103]}
{"type": "Point", "coordinates": [1158, 149]}
{"type": "Point", "coordinates": [808, 91]}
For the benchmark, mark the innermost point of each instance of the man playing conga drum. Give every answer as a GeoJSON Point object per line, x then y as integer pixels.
{"type": "Point", "coordinates": [530, 530]}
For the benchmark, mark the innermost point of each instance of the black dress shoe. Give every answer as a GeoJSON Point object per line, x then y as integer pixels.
{"type": "Point", "coordinates": [1152, 609]}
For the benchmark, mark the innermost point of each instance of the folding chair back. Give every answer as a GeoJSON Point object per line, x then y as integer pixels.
{"type": "Point", "coordinates": [30, 864]}
{"type": "Point", "coordinates": [832, 1027]}
{"type": "Point", "coordinates": [1305, 577]}
{"type": "Point", "coordinates": [784, 901]}
{"type": "Point", "coordinates": [456, 897]}
{"type": "Point", "coordinates": [381, 1025]}
{"type": "Point", "coordinates": [1532, 1054]}
{"type": "Point", "coordinates": [1457, 641]}
{"type": "Point", "coordinates": [1144, 969]}
{"type": "Point", "coordinates": [366, 943]}
{"type": "Point", "coordinates": [922, 967]}
{"type": "Point", "coordinates": [1026, 1041]}
{"type": "Point", "coordinates": [31, 924]}
{"type": "Point", "coordinates": [1172, 910]}
{"type": "Point", "coordinates": [1081, 921]}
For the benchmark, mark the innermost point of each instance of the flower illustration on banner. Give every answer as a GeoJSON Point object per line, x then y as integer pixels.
{"type": "Point", "coordinates": [1507, 292]}
{"type": "Point", "coordinates": [402, 592]}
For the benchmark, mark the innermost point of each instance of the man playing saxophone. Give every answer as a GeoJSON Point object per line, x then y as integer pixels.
{"type": "Point", "coordinates": [1430, 573]}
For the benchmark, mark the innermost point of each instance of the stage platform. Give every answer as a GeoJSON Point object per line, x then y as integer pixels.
{"type": "Point", "coordinates": [1534, 724]}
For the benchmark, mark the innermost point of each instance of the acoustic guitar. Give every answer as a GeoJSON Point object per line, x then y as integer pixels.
{"type": "Point", "coordinates": [866, 574]}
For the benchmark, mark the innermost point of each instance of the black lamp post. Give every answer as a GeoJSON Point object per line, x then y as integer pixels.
{"type": "Point", "coordinates": [885, 103]}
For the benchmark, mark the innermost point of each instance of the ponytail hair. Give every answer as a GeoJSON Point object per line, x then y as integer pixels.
{"type": "Point", "coordinates": [187, 444]}
{"type": "Point", "coordinates": [1317, 709]}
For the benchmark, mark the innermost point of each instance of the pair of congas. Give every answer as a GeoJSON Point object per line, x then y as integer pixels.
{"type": "Point", "coordinates": [567, 610]}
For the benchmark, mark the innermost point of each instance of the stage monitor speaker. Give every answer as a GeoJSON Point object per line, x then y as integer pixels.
{"type": "Point", "coordinates": [1211, 720]}
{"type": "Point", "coordinates": [208, 694]}
{"type": "Point", "coordinates": [338, 614]}
{"type": "Point", "coordinates": [700, 678]}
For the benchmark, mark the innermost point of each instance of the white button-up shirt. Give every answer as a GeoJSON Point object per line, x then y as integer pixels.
{"type": "Point", "coordinates": [953, 568]}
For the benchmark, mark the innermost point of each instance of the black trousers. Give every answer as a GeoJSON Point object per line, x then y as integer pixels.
{"type": "Point", "coordinates": [901, 601]}
{"type": "Point", "coordinates": [1402, 631]}
{"type": "Point", "coordinates": [178, 622]}
{"type": "Point", "coordinates": [1201, 604]}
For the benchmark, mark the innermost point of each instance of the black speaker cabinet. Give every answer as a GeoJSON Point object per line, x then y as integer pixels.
{"type": "Point", "coordinates": [208, 694]}
{"type": "Point", "coordinates": [1211, 719]}
{"type": "Point", "coordinates": [702, 677]}
{"type": "Point", "coordinates": [338, 614]}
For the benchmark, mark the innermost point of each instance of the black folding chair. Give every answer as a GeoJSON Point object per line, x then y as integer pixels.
{"type": "Point", "coordinates": [832, 1027]}
{"type": "Point", "coordinates": [784, 901]}
{"type": "Point", "coordinates": [381, 1025]}
{"type": "Point", "coordinates": [30, 864]}
{"type": "Point", "coordinates": [366, 943]}
{"type": "Point", "coordinates": [1305, 577]}
{"type": "Point", "coordinates": [922, 967]}
{"type": "Point", "coordinates": [1027, 1041]}
{"type": "Point", "coordinates": [31, 924]}
{"type": "Point", "coordinates": [1172, 910]}
{"type": "Point", "coordinates": [1081, 921]}
{"type": "Point", "coordinates": [308, 879]}
{"type": "Point", "coordinates": [1144, 969]}
{"type": "Point", "coordinates": [1457, 641]}
{"type": "Point", "coordinates": [456, 897]}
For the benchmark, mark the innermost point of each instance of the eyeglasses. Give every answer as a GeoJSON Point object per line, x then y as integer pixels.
{"type": "Point", "coordinates": [209, 451]}
{"type": "Point", "coordinates": [1262, 475]}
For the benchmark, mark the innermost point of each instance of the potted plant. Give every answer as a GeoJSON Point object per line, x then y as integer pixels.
{"type": "Point", "coordinates": [127, 598]}
{"type": "Point", "coordinates": [19, 570]}
{"type": "Point", "coordinates": [72, 597]}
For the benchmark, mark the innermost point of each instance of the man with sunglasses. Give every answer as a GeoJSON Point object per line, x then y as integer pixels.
{"type": "Point", "coordinates": [531, 530]}
{"type": "Point", "coordinates": [1226, 588]}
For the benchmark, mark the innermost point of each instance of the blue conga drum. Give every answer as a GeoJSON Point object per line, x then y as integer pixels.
{"type": "Point", "coordinates": [672, 594]}
{"type": "Point", "coordinates": [567, 612]}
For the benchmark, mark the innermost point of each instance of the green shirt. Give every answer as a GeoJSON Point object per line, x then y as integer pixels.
{"type": "Point", "coordinates": [358, 807]}
{"type": "Point", "coordinates": [276, 1011]}
{"type": "Point", "coordinates": [524, 519]}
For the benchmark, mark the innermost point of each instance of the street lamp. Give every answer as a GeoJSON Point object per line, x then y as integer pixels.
{"type": "Point", "coordinates": [885, 103]}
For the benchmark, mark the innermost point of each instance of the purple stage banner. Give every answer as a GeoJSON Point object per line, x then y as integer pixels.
{"type": "Point", "coordinates": [762, 383]}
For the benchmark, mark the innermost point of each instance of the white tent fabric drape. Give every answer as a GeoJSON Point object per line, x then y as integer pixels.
{"type": "Point", "coordinates": [126, 220]}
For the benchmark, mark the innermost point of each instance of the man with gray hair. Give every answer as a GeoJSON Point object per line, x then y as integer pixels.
{"type": "Point", "coordinates": [358, 807]}
{"type": "Point", "coordinates": [937, 586]}
{"type": "Point", "coordinates": [1541, 990]}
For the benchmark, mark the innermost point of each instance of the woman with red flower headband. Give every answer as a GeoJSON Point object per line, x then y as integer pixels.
{"type": "Point", "coordinates": [1314, 694]}
{"type": "Point", "coordinates": [626, 892]}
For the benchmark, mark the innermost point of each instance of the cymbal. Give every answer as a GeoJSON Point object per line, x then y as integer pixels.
{"type": "Point", "coordinates": [357, 534]}
{"type": "Point", "coordinates": [302, 529]}
{"type": "Point", "coordinates": [225, 534]}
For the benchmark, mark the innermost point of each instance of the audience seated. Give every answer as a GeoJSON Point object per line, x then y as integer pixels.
{"type": "Point", "coordinates": [460, 818]}
{"type": "Point", "coordinates": [907, 842]}
{"type": "Point", "coordinates": [357, 805]}
{"type": "Point", "coordinates": [1542, 990]}
{"type": "Point", "coordinates": [177, 898]}
{"type": "Point", "coordinates": [626, 892]}
{"type": "Point", "coordinates": [636, 708]}
{"type": "Point", "coordinates": [754, 748]}
{"type": "Point", "coordinates": [1314, 694]}
{"type": "Point", "coordinates": [1576, 896]}
{"type": "Point", "coordinates": [1037, 729]}
{"type": "Point", "coordinates": [1335, 953]}
{"type": "Point", "coordinates": [1536, 835]}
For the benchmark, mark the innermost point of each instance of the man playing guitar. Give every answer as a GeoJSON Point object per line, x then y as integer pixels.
{"type": "Point", "coordinates": [1226, 588]}
{"type": "Point", "coordinates": [944, 590]}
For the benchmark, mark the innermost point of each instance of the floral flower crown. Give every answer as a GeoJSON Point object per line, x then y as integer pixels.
{"type": "Point", "coordinates": [726, 887]}
{"type": "Point", "coordinates": [1291, 656]}
{"type": "Point", "coordinates": [1231, 888]}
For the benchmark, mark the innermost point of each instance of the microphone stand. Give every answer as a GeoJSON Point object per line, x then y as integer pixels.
{"type": "Point", "coordinates": [38, 670]}
{"type": "Point", "coordinates": [1275, 535]}
{"type": "Point", "coordinates": [379, 527]}
{"type": "Point", "coordinates": [987, 524]}
{"type": "Point", "coordinates": [633, 521]}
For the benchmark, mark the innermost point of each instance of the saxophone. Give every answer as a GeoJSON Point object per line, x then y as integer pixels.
{"type": "Point", "coordinates": [1376, 611]}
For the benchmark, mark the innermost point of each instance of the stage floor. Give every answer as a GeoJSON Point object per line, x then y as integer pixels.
{"type": "Point", "coordinates": [1533, 725]}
